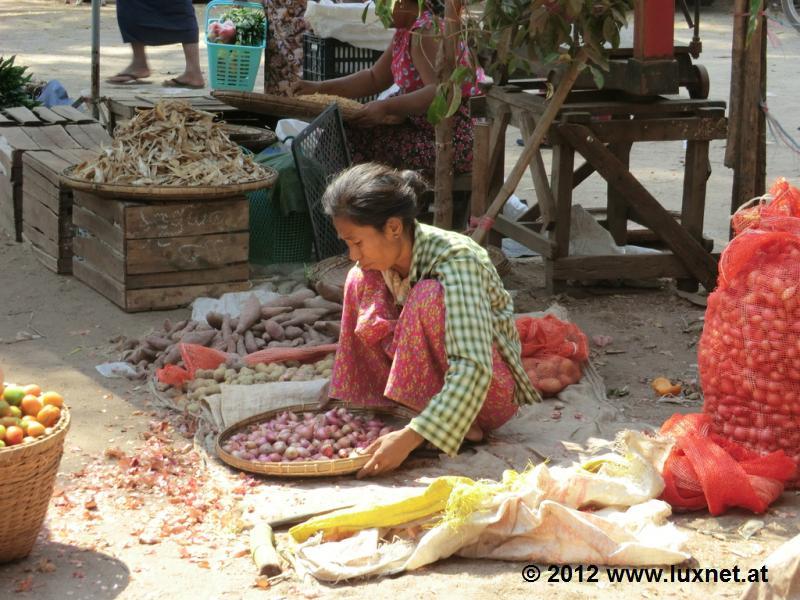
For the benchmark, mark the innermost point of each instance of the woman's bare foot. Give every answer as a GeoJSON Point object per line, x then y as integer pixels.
{"type": "Point", "coordinates": [475, 433]}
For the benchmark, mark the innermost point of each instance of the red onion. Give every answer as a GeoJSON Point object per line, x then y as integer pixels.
{"type": "Point", "coordinates": [272, 437]}
{"type": "Point", "coordinates": [344, 453]}
{"type": "Point", "coordinates": [284, 435]}
{"type": "Point", "coordinates": [291, 453]}
{"type": "Point", "coordinates": [275, 457]}
{"type": "Point", "coordinates": [321, 433]}
{"type": "Point", "coordinates": [265, 448]}
{"type": "Point", "coordinates": [250, 444]}
{"type": "Point", "coordinates": [279, 447]}
{"type": "Point", "coordinates": [326, 450]}
{"type": "Point", "coordinates": [332, 419]}
{"type": "Point", "coordinates": [305, 431]}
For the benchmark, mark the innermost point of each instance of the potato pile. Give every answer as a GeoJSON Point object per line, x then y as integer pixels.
{"type": "Point", "coordinates": [207, 382]}
{"type": "Point", "coordinates": [299, 319]}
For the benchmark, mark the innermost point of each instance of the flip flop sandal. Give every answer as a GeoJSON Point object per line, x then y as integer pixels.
{"type": "Point", "coordinates": [127, 79]}
{"type": "Point", "coordinates": [176, 83]}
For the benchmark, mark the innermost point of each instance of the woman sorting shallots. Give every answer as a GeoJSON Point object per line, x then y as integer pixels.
{"type": "Point", "coordinates": [426, 322]}
{"type": "Point", "coordinates": [409, 63]}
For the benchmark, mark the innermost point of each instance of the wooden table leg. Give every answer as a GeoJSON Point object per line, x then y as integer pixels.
{"type": "Point", "coordinates": [617, 207]}
{"type": "Point", "coordinates": [563, 164]}
{"type": "Point", "coordinates": [694, 197]}
{"type": "Point", "coordinates": [479, 199]}
{"type": "Point", "coordinates": [497, 154]}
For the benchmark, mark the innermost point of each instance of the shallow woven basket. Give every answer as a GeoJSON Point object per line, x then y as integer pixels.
{"type": "Point", "coordinates": [28, 473]}
{"type": "Point", "coordinates": [307, 468]}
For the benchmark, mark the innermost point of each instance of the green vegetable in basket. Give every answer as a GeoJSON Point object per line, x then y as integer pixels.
{"type": "Point", "coordinates": [249, 25]}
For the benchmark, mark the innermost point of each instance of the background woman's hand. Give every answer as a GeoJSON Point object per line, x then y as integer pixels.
{"type": "Point", "coordinates": [389, 451]}
{"type": "Point", "coordinates": [301, 87]}
{"type": "Point", "coordinates": [374, 113]}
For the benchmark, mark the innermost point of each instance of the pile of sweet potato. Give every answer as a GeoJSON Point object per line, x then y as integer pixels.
{"type": "Point", "coordinates": [299, 319]}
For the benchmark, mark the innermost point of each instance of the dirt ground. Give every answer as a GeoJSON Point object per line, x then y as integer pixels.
{"type": "Point", "coordinates": [98, 556]}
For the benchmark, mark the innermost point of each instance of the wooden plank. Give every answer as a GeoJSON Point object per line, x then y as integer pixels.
{"type": "Point", "coordinates": [99, 282]}
{"type": "Point", "coordinates": [617, 213]}
{"type": "Point", "coordinates": [98, 135]}
{"type": "Point", "coordinates": [562, 172]}
{"type": "Point", "coordinates": [481, 137]}
{"type": "Point", "coordinates": [5, 121]}
{"type": "Point", "coordinates": [47, 164]}
{"type": "Point", "coordinates": [61, 266]}
{"type": "Point", "coordinates": [581, 174]}
{"type": "Point", "coordinates": [594, 103]}
{"type": "Point", "coordinates": [696, 173]}
{"type": "Point", "coordinates": [22, 115]}
{"type": "Point", "coordinates": [524, 235]}
{"type": "Point", "coordinates": [50, 136]}
{"type": "Point", "coordinates": [47, 115]}
{"type": "Point", "coordinates": [175, 297]}
{"type": "Point", "coordinates": [645, 266]}
{"type": "Point", "coordinates": [41, 239]}
{"type": "Point", "coordinates": [100, 256]}
{"type": "Point", "coordinates": [657, 130]}
{"type": "Point", "coordinates": [160, 255]}
{"type": "Point", "coordinates": [699, 262]}
{"type": "Point", "coordinates": [544, 195]}
{"type": "Point", "coordinates": [33, 194]}
{"type": "Point", "coordinates": [186, 219]}
{"type": "Point", "coordinates": [56, 227]}
{"type": "Point", "coordinates": [79, 136]}
{"type": "Point", "coordinates": [228, 273]}
{"type": "Point", "coordinates": [112, 211]}
{"type": "Point", "coordinates": [73, 114]}
{"type": "Point", "coordinates": [106, 231]}
{"type": "Point", "coordinates": [7, 212]}
{"type": "Point", "coordinates": [13, 143]}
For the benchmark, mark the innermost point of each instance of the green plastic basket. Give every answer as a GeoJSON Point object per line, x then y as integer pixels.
{"type": "Point", "coordinates": [275, 237]}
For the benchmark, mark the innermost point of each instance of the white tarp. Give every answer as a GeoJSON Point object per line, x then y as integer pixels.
{"type": "Point", "coordinates": [343, 22]}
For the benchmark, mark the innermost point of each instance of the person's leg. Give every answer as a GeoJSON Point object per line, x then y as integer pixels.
{"type": "Point", "coordinates": [420, 361]}
{"type": "Point", "coordinates": [362, 363]}
{"type": "Point", "coordinates": [138, 69]}
{"type": "Point", "coordinates": [192, 75]}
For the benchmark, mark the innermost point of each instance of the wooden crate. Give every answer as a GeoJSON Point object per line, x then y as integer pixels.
{"type": "Point", "coordinates": [160, 256]}
{"type": "Point", "coordinates": [47, 206]}
{"type": "Point", "coordinates": [23, 130]}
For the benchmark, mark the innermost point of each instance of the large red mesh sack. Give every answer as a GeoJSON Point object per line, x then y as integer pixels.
{"type": "Point", "coordinates": [782, 200]}
{"type": "Point", "coordinates": [705, 470]}
{"type": "Point", "coordinates": [749, 351]}
{"type": "Point", "coordinates": [552, 352]}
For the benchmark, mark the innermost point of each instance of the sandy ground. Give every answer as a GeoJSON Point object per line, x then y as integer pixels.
{"type": "Point", "coordinates": [654, 333]}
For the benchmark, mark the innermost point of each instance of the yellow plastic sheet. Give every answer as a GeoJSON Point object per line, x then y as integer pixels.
{"type": "Point", "coordinates": [345, 522]}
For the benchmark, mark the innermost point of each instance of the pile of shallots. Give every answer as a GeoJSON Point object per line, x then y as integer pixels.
{"type": "Point", "coordinates": [289, 437]}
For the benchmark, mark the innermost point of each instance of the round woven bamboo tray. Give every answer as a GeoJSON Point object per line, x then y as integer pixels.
{"type": "Point", "coordinates": [307, 468]}
{"type": "Point", "coordinates": [167, 193]}
{"type": "Point", "coordinates": [28, 473]}
{"type": "Point", "coordinates": [254, 139]}
{"type": "Point", "coordinates": [297, 107]}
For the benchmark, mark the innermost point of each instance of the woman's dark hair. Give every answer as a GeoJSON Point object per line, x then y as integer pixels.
{"type": "Point", "coordinates": [371, 194]}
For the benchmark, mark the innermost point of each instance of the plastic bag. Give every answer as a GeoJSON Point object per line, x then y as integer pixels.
{"type": "Point", "coordinates": [194, 357]}
{"type": "Point", "coordinates": [749, 355]}
{"type": "Point", "coordinates": [705, 470]}
{"type": "Point", "coordinates": [552, 352]}
{"type": "Point", "coordinates": [304, 354]}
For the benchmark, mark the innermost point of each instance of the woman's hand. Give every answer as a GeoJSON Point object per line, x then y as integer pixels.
{"type": "Point", "coordinates": [301, 87]}
{"type": "Point", "coordinates": [374, 113]}
{"type": "Point", "coordinates": [389, 451]}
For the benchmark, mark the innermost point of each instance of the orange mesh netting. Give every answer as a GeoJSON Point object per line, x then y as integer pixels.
{"type": "Point", "coordinates": [706, 470]}
{"type": "Point", "coordinates": [749, 352]}
{"type": "Point", "coordinates": [552, 352]}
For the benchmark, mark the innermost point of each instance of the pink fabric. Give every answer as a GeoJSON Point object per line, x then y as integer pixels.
{"type": "Point", "coordinates": [405, 73]}
{"type": "Point", "coordinates": [388, 353]}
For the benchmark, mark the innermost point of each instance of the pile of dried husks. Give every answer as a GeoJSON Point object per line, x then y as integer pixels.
{"type": "Point", "coordinates": [171, 144]}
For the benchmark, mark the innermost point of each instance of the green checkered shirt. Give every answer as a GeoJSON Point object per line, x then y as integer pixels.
{"type": "Point", "coordinates": [478, 313]}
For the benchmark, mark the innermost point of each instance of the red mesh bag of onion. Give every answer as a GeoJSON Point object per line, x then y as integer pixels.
{"type": "Point", "coordinates": [749, 351]}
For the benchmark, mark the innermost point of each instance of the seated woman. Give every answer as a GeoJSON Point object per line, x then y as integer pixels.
{"type": "Point", "coordinates": [426, 320]}
{"type": "Point", "coordinates": [409, 62]}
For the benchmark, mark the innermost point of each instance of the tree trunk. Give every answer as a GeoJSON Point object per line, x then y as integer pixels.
{"type": "Point", "coordinates": [445, 64]}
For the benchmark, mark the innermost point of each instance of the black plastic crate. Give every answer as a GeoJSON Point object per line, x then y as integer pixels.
{"type": "Point", "coordinates": [328, 58]}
